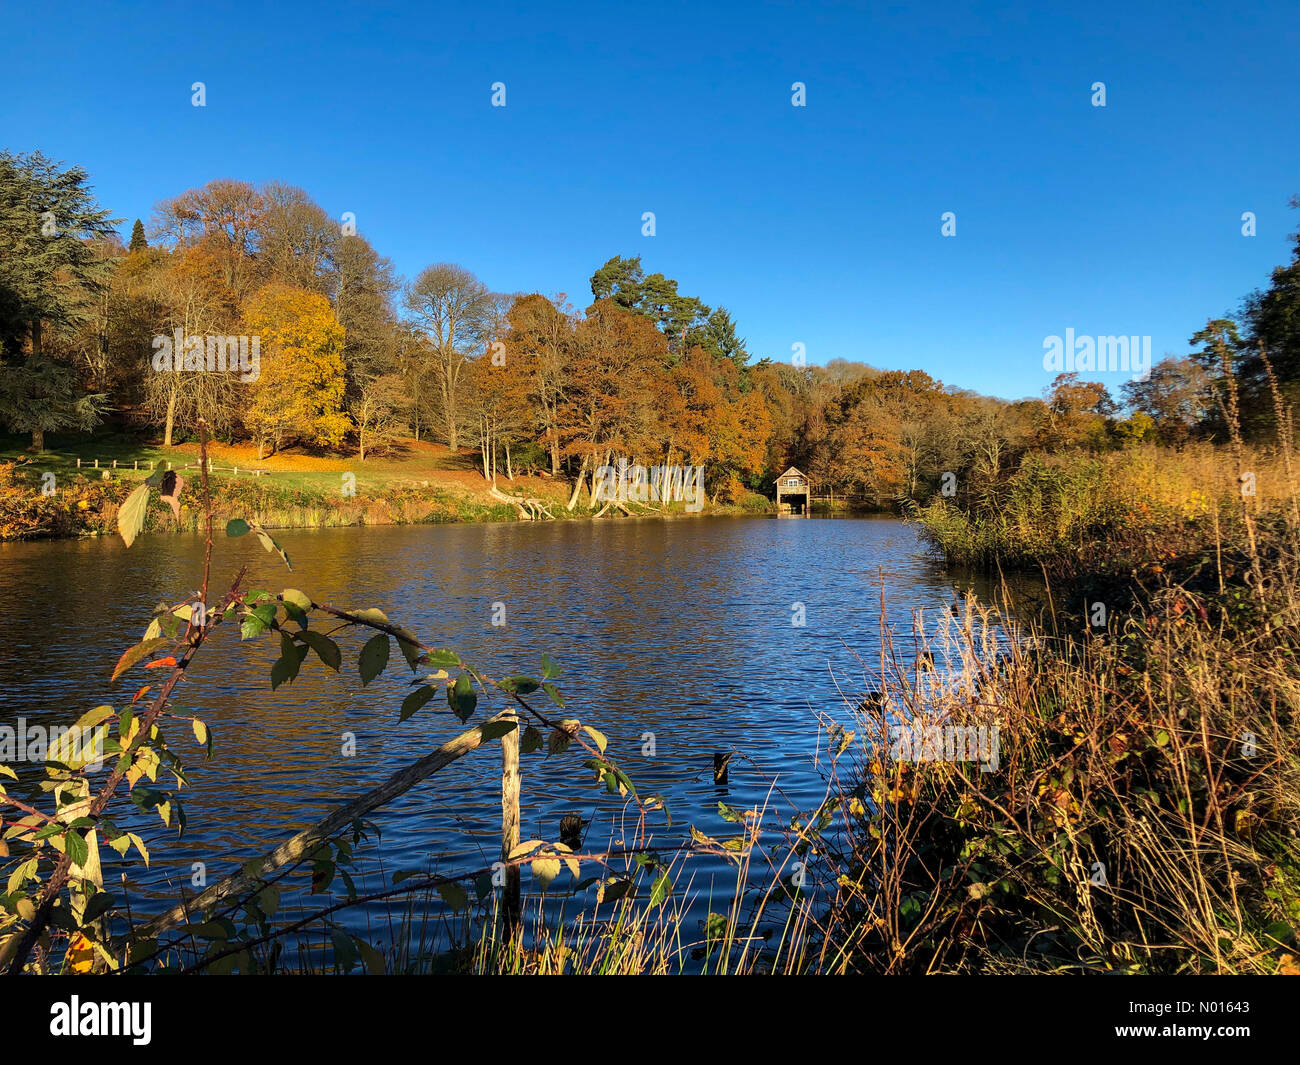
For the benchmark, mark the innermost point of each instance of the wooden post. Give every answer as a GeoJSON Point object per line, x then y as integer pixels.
{"type": "Point", "coordinates": [137, 464]}
{"type": "Point", "coordinates": [235, 471]}
{"type": "Point", "coordinates": [97, 464]}
{"type": "Point", "coordinates": [511, 902]}
{"type": "Point", "coordinates": [78, 463]}
{"type": "Point", "coordinates": [115, 464]}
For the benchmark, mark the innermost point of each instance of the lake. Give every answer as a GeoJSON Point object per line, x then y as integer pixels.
{"type": "Point", "coordinates": [680, 628]}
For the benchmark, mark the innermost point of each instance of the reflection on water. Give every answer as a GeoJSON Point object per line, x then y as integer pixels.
{"type": "Point", "coordinates": [682, 628]}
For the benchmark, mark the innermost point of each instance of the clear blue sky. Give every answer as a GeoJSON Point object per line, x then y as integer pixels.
{"type": "Point", "coordinates": [818, 225]}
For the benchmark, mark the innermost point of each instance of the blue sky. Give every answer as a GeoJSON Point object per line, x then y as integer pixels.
{"type": "Point", "coordinates": [817, 225]}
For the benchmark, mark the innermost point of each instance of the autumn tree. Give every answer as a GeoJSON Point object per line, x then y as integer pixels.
{"type": "Point", "coordinates": [1076, 412]}
{"type": "Point", "coordinates": [223, 218]}
{"type": "Point", "coordinates": [185, 293]}
{"type": "Point", "coordinates": [299, 392]}
{"type": "Point", "coordinates": [541, 335]}
{"type": "Point", "coordinates": [608, 407]}
{"type": "Point", "coordinates": [1175, 397]}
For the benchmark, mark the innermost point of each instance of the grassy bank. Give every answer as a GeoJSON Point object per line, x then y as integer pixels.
{"type": "Point", "coordinates": [1144, 817]}
{"type": "Point", "coordinates": [419, 483]}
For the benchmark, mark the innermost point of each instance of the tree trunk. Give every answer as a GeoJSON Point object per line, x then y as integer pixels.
{"type": "Point", "coordinates": [577, 488]}
{"type": "Point", "coordinates": [171, 419]}
{"type": "Point", "coordinates": [38, 440]}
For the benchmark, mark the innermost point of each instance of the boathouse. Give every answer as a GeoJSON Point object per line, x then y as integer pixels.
{"type": "Point", "coordinates": [793, 493]}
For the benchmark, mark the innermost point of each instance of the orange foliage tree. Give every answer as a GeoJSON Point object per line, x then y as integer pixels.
{"type": "Point", "coordinates": [299, 392]}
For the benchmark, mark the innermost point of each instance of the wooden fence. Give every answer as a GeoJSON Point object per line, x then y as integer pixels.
{"type": "Point", "coordinates": [252, 471]}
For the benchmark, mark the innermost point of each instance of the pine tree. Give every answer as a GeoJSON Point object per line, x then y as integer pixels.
{"type": "Point", "coordinates": [138, 243]}
{"type": "Point", "coordinates": [48, 219]}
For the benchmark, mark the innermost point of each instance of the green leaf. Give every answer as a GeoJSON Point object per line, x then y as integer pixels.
{"type": "Point", "coordinates": [462, 698]}
{"type": "Point", "coordinates": [296, 606]}
{"type": "Point", "coordinates": [271, 544]}
{"type": "Point", "coordinates": [496, 729]}
{"type": "Point", "coordinates": [237, 527]}
{"type": "Point", "coordinates": [299, 599]}
{"type": "Point", "coordinates": [373, 960]}
{"type": "Point", "coordinates": [76, 848]}
{"type": "Point", "coordinates": [559, 739]}
{"type": "Point", "coordinates": [326, 649]}
{"type": "Point", "coordinates": [454, 895]}
{"type": "Point", "coordinates": [553, 693]}
{"type": "Point", "coordinates": [410, 648]}
{"type": "Point", "coordinates": [662, 887]}
{"type": "Point", "coordinates": [345, 950]}
{"type": "Point", "coordinates": [596, 735]}
{"type": "Point", "coordinates": [549, 669]}
{"type": "Point", "coordinates": [290, 661]}
{"type": "Point", "coordinates": [530, 741]}
{"type": "Point", "coordinates": [519, 685]}
{"type": "Point", "coordinates": [96, 907]}
{"type": "Point", "coordinates": [251, 627]}
{"type": "Point", "coordinates": [131, 515]}
{"type": "Point", "coordinates": [442, 658]}
{"type": "Point", "coordinates": [374, 657]}
{"type": "Point", "coordinates": [269, 899]}
{"type": "Point", "coordinates": [415, 700]}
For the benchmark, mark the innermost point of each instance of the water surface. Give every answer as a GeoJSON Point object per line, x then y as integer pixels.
{"type": "Point", "coordinates": [681, 628]}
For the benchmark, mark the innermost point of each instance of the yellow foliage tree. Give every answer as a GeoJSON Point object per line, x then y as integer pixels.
{"type": "Point", "coordinates": [299, 391]}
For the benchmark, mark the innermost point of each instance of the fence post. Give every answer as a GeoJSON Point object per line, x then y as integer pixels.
{"type": "Point", "coordinates": [137, 464]}
{"type": "Point", "coordinates": [78, 463]}
{"type": "Point", "coordinates": [511, 907]}
{"type": "Point", "coordinates": [97, 464]}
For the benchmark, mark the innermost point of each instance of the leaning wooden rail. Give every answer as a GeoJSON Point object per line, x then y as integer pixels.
{"type": "Point", "coordinates": [295, 849]}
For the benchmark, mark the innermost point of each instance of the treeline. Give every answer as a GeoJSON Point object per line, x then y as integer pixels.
{"type": "Point", "coordinates": [352, 358]}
